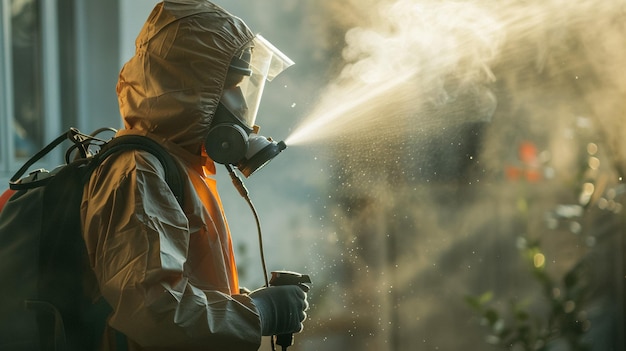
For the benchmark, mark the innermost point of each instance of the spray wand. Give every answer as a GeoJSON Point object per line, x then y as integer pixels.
{"type": "Point", "coordinates": [278, 277]}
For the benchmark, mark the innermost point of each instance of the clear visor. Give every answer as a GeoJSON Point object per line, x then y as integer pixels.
{"type": "Point", "coordinates": [244, 85]}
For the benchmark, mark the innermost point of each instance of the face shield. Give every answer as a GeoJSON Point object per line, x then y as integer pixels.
{"type": "Point", "coordinates": [233, 137]}
{"type": "Point", "coordinates": [248, 73]}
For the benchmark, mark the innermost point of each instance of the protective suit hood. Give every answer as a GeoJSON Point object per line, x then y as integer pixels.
{"type": "Point", "coordinates": [172, 85]}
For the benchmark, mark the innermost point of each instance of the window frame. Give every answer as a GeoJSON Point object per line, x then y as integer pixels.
{"type": "Point", "coordinates": [50, 87]}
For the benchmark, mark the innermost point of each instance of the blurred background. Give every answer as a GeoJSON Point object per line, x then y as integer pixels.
{"type": "Point", "coordinates": [454, 172]}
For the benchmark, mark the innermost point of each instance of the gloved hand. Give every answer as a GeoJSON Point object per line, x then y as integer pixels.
{"type": "Point", "coordinates": [281, 309]}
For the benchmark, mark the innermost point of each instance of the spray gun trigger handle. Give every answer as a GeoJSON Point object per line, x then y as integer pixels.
{"type": "Point", "coordinates": [291, 278]}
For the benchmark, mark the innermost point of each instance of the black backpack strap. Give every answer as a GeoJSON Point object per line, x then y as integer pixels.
{"type": "Point", "coordinates": [173, 175]}
{"type": "Point", "coordinates": [14, 182]}
{"type": "Point", "coordinates": [81, 143]}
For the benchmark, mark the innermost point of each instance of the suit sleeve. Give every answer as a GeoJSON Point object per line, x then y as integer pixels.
{"type": "Point", "coordinates": [137, 237]}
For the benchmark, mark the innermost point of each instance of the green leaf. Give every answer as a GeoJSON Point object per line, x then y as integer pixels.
{"type": "Point", "coordinates": [521, 315]}
{"type": "Point", "coordinates": [486, 297]}
{"type": "Point", "coordinates": [478, 302]}
{"type": "Point", "coordinates": [492, 316]}
{"type": "Point", "coordinates": [473, 302]}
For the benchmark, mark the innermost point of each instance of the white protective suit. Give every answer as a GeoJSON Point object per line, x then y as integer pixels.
{"type": "Point", "coordinates": [169, 272]}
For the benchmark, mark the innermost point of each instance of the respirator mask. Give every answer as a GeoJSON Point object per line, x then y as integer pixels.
{"type": "Point", "coordinates": [233, 138]}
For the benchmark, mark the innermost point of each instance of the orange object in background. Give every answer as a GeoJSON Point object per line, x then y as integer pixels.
{"type": "Point", "coordinates": [530, 169]}
{"type": "Point", "coordinates": [6, 195]}
{"type": "Point", "coordinates": [527, 153]}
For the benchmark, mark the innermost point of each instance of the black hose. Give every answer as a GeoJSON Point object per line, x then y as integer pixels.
{"type": "Point", "coordinates": [243, 191]}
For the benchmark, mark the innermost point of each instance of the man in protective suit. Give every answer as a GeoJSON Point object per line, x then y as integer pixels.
{"type": "Point", "coordinates": [168, 272]}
